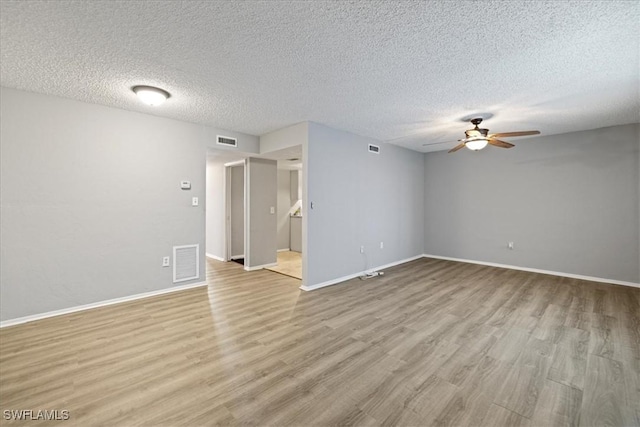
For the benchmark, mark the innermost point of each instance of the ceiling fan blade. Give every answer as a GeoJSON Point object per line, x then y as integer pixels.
{"type": "Point", "coordinates": [456, 148]}
{"type": "Point", "coordinates": [512, 134]}
{"type": "Point", "coordinates": [501, 144]}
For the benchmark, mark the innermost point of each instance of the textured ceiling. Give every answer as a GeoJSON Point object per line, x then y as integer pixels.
{"type": "Point", "coordinates": [404, 72]}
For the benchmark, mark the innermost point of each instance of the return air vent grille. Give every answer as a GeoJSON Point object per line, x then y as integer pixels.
{"type": "Point", "coordinates": [186, 263]}
{"type": "Point", "coordinates": [374, 149]}
{"type": "Point", "coordinates": [227, 140]}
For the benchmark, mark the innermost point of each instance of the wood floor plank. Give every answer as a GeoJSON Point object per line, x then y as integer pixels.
{"type": "Point", "coordinates": [431, 342]}
{"type": "Point", "coordinates": [289, 263]}
{"type": "Point", "coordinates": [523, 384]}
{"type": "Point", "coordinates": [388, 401]}
{"type": "Point", "coordinates": [550, 323]}
{"type": "Point", "coordinates": [605, 399]}
{"type": "Point", "coordinates": [607, 337]}
{"type": "Point", "coordinates": [509, 346]}
{"type": "Point", "coordinates": [470, 403]}
{"type": "Point", "coordinates": [559, 405]}
{"type": "Point", "coordinates": [326, 408]}
{"type": "Point", "coordinates": [430, 398]}
{"type": "Point", "coordinates": [567, 368]}
{"type": "Point", "coordinates": [499, 416]}
{"type": "Point", "coordinates": [459, 366]}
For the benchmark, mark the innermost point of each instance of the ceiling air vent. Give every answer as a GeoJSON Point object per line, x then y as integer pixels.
{"type": "Point", "coordinates": [227, 140]}
{"type": "Point", "coordinates": [186, 263]}
{"type": "Point", "coordinates": [374, 149]}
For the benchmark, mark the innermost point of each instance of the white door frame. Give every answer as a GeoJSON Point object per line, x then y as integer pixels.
{"type": "Point", "coordinates": [227, 207]}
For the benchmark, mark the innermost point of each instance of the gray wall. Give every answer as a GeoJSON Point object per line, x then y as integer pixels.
{"type": "Point", "coordinates": [262, 183]}
{"type": "Point", "coordinates": [247, 144]}
{"type": "Point", "coordinates": [284, 206]}
{"type": "Point", "coordinates": [284, 138]}
{"type": "Point", "coordinates": [295, 178]}
{"type": "Point", "coordinates": [215, 211]}
{"type": "Point", "coordinates": [236, 211]}
{"type": "Point", "coordinates": [91, 201]}
{"type": "Point", "coordinates": [568, 202]}
{"type": "Point", "coordinates": [359, 198]}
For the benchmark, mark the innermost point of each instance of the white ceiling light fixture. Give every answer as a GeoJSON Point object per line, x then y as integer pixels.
{"type": "Point", "coordinates": [151, 95]}
{"type": "Point", "coordinates": [476, 144]}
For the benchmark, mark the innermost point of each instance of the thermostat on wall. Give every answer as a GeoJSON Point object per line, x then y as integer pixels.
{"type": "Point", "coordinates": [185, 185]}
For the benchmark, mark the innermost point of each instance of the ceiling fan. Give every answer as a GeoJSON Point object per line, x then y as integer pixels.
{"type": "Point", "coordinates": [477, 138]}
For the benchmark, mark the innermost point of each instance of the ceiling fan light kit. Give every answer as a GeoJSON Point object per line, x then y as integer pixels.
{"type": "Point", "coordinates": [478, 138]}
{"type": "Point", "coordinates": [476, 144]}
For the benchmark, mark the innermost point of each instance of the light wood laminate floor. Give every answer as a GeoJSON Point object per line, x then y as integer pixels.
{"type": "Point", "coordinates": [289, 263]}
{"type": "Point", "coordinates": [430, 343]}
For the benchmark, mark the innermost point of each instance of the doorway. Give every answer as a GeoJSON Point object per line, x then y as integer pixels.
{"type": "Point", "coordinates": [289, 212]}
{"type": "Point", "coordinates": [235, 211]}
{"type": "Point", "coordinates": [268, 209]}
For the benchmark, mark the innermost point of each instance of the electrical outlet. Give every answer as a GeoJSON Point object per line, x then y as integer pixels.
{"type": "Point", "coordinates": [510, 245]}
{"type": "Point", "coordinates": [381, 245]}
{"type": "Point", "coordinates": [165, 261]}
{"type": "Point", "coordinates": [361, 249]}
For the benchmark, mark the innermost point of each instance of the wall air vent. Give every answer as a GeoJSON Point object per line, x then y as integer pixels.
{"type": "Point", "coordinates": [186, 263]}
{"type": "Point", "coordinates": [374, 149]}
{"type": "Point", "coordinates": [227, 140]}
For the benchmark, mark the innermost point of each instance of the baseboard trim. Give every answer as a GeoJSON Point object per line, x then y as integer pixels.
{"type": "Point", "coordinates": [284, 250]}
{"type": "Point", "coordinates": [259, 267]}
{"type": "Point", "coordinates": [237, 257]}
{"type": "Point", "coordinates": [537, 270]}
{"type": "Point", "coordinates": [358, 274]}
{"type": "Point", "coordinates": [34, 317]}
{"type": "Point", "coordinates": [215, 257]}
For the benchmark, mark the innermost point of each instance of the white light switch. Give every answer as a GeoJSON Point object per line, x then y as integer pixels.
{"type": "Point", "coordinates": [272, 210]}
{"type": "Point", "coordinates": [194, 201]}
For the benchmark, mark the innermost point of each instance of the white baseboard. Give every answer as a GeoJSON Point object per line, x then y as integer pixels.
{"type": "Point", "coordinates": [358, 274]}
{"type": "Point", "coordinates": [215, 257]}
{"type": "Point", "coordinates": [237, 257]}
{"type": "Point", "coordinates": [33, 317]}
{"type": "Point", "coordinates": [284, 250]}
{"type": "Point", "coordinates": [259, 267]}
{"type": "Point", "coordinates": [537, 270]}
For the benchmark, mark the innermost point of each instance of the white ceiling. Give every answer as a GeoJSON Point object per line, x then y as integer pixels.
{"type": "Point", "coordinates": [289, 158]}
{"type": "Point", "coordinates": [404, 72]}
{"type": "Point", "coordinates": [222, 157]}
